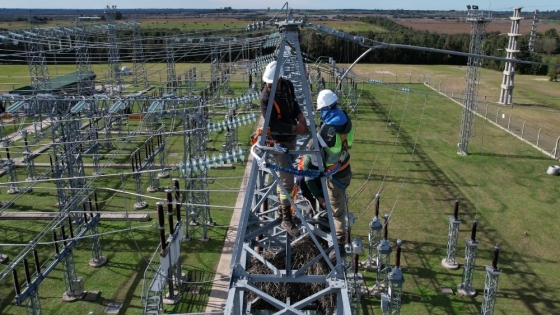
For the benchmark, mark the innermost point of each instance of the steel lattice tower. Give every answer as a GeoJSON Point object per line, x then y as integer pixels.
{"type": "Point", "coordinates": [196, 197]}
{"type": "Point", "coordinates": [478, 27]}
{"type": "Point", "coordinates": [114, 62]}
{"type": "Point", "coordinates": [67, 162]}
{"type": "Point", "coordinates": [138, 58]}
{"type": "Point", "coordinates": [258, 226]}
{"type": "Point", "coordinates": [37, 63]}
{"type": "Point", "coordinates": [170, 58]}
{"type": "Point", "coordinates": [83, 63]}
{"type": "Point", "coordinates": [506, 93]}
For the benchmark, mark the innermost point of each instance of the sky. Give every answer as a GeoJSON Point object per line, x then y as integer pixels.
{"type": "Point", "coordinates": [495, 5]}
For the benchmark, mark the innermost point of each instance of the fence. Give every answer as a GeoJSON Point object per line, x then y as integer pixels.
{"type": "Point", "coordinates": [545, 138]}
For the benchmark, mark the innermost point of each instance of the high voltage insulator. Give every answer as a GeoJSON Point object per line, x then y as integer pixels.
{"type": "Point", "coordinates": [186, 167]}
{"type": "Point", "coordinates": [217, 127]}
{"type": "Point", "coordinates": [256, 26]}
{"type": "Point", "coordinates": [234, 102]}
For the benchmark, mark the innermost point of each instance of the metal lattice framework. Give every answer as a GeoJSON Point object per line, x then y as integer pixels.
{"type": "Point", "coordinates": [491, 285]}
{"type": "Point", "coordinates": [170, 61]}
{"type": "Point", "coordinates": [454, 222]}
{"type": "Point", "coordinates": [478, 28]}
{"type": "Point", "coordinates": [138, 59]}
{"type": "Point", "coordinates": [114, 62]}
{"type": "Point", "coordinates": [466, 288]}
{"type": "Point", "coordinates": [257, 228]}
{"type": "Point", "coordinates": [198, 218]}
{"type": "Point", "coordinates": [374, 236]}
{"type": "Point", "coordinates": [83, 62]}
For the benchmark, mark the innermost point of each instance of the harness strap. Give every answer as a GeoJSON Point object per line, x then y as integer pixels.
{"type": "Point", "coordinates": [338, 166]}
{"type": "Point", "coordinates": [338, 183]}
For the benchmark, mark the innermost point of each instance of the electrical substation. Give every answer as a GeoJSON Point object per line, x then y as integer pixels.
{"type": "Point", "coordinates": [139, 131]}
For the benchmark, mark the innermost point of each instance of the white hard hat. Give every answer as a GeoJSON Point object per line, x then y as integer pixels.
{"type": "Point", "coordinates": [268, 75]}
{"type": "Point", "coordinates": [326, 98]}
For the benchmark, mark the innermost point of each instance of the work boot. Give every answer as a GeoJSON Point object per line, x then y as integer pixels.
{"type": "Point", "coordinates": [287, 222]}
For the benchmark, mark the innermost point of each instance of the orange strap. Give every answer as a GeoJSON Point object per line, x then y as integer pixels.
{"type": "Point", "coordinates": [342, 167]}
{"type": "Point", "coordinates": [300, 164]}
{"type": "Point", "coordinates": [294, 197]}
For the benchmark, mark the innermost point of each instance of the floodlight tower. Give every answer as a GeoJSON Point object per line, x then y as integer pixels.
{"type": "Point", "coordinates": [533, 32]}
{"type": "Point", "coordinates": [260, 229]}
{"type": "Point", "coordinates": [478, 27]}
{"type": "Point", "coordinates": [506, 93]}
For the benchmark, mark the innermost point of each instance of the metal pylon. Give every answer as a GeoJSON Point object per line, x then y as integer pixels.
{"type": "Point", "coordinates": [37, 63]}
{"type": "Point", "coordinates": [138, 58]}
{"type": "Point", "coordinates": [259, 228]}
{"type": "Point", "coordinates": [115, 75]}
{"type": "Point", "coordinates": [83, 63]}
{"type": "Point", "coordinates": [170, 58]}
{"type": "Point", "coordinates": [195, 117]}
{"type": "Point", "coordinates": [478, 27]}
{"type": "Point", "coordinates": [68, 164]}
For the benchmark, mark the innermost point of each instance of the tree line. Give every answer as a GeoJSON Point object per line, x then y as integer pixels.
{"type": "Point", "coordinates": [319, 44]}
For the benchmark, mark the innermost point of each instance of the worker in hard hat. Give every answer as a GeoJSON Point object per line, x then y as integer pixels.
{"type": "Point", "coordinates": [335, 138]}
{"type": "Point", "coordinates": [286, 121]}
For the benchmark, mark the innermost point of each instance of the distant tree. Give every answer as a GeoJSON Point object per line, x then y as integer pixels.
{"type": "Point", "coordinates": [118, 15]}
{"type": "Point", "coordinates": [551, 32]}
{"type": "Point", "coordinates": [546, 45]}
{"type": "Point", "coordinates": [553, 71]}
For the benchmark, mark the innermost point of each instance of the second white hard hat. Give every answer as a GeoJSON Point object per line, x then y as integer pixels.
{"type": "Point", "coordinates": [326, 98]}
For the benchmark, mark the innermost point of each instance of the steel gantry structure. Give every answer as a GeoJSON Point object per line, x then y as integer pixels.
{"type": "Point", "coordinates": [258, 226]}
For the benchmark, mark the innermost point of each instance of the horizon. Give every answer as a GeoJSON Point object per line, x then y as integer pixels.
{"type": "Point", "coordinates": [272, 9]}
{"type": "Point", "coordinates": [434, 5]}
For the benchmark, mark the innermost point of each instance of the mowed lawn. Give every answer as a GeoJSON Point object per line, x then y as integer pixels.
{"type": "Point", "coordinates": [406, 148]}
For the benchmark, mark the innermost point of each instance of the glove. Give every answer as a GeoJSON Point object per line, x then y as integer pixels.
{"type": "Point", "coordinates": [301, 129]}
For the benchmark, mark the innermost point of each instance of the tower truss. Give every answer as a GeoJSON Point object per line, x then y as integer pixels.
{"type": "Point", "coordinates": [478, 27]}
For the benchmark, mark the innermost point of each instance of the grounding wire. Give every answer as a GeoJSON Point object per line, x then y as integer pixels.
{"type": "Point", "coordinates": [409, 161]}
